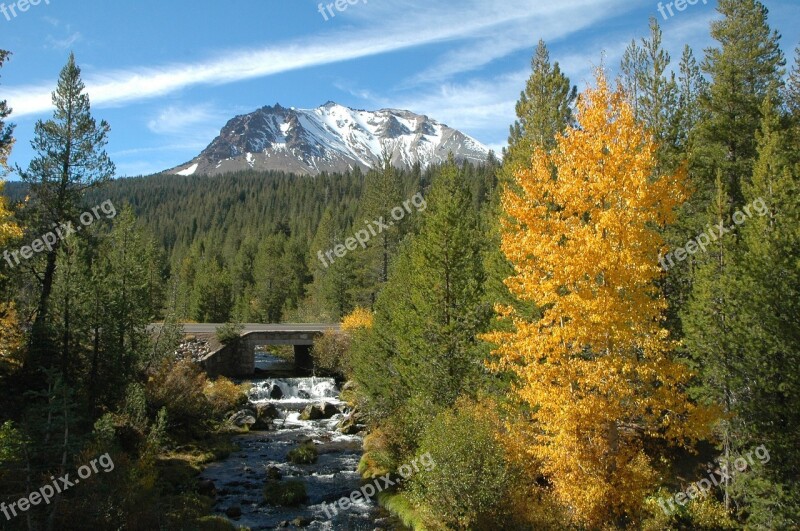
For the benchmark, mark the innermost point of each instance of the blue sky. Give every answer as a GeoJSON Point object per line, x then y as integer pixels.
{"type": "Point", "coordinates": [167, 75]}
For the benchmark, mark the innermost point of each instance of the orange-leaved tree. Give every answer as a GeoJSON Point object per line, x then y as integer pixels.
{"type": "Point", "coordinates": [582, 232]}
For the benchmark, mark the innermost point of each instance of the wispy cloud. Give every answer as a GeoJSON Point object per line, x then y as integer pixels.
{"type": "Point", "coordinates": [183, 120]}
{"type": "Point", "coordinates": [63, 44]}
{"type": "Point", "coordinates": [422, 25]}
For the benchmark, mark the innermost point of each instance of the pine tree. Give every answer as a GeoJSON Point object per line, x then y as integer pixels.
{"type": "Point", "coordinates": [6, 131]}
{"type": "Point", "coordinates": [746, 64]}
{"type": "Point", "coordinates": [793, 86]}
{"type": "Point", "coordinates": [595, 369]}
{"type": "Point", "coordinates": [769, 335]}
{"type": "Point", "coordinates": [654, 95]}
{"type": "Point", "coordinates": [544, 110]}
{"type": "Point", "coordinates": [422, 353]}
{"type": "Point", "coordinates": [381, 195]}
{"type": "Point", "coordinates": [69, 160]}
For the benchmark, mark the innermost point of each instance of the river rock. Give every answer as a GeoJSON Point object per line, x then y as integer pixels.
{"type": "Point", "coordinates": [325, 410]}
{"type": "Point", "coordinates": [206, 487]}
{"type": "Point", "coordinates": [329, 410]}
{"type": "Point", "coordinates": [274, 473]}
{"type": "Point", "coordinates": [234, 511]}
{"type": "Point", "coordinates": [304, 395]}
{"type": "Point", "coordinates": [301, 521]}
{"type": "Point", "coordinates": [312, 412]}
{"type": "Point", "coordinates": [245, 417]}
{"type": "Point", "coordinates": [268, 411]}
{"type": "Point", "coordinates": [262, 424]}
{"type": "Point", "coordinates": [275, 393]}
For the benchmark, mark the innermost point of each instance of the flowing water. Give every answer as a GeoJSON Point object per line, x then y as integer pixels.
{"type": "Point", "coordinates": [240, 479]}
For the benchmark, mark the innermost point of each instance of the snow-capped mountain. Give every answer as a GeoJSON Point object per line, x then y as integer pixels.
{"type": "Point", "coordinates": [330, 138]}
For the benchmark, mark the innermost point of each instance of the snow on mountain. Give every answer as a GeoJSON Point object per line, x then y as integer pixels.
{"type": "Point", "coordinates": [330, 138]}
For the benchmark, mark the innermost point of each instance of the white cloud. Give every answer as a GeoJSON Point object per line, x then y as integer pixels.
{"type": "Point", "coordinates": [177, 120]}
{"type": "Point", "coordinates": [63, 44]}
{"type": "Point", "coordinates": [420, 25]}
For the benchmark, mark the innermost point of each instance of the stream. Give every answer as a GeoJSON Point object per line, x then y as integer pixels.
{"type": "Point", "coordinates": [241, 477]}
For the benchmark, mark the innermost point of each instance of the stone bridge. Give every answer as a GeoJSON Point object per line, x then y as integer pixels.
{"type": "Point", "coordinates": [237, 359]}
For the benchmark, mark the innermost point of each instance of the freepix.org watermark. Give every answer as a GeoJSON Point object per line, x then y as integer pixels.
{"type": "Point", "coordinates": [680, 5]}
{"type": "Point", "coordinates": [62, 484]}
{"type": "Point", "coordinates": [721, 476]}
{"type": "Point", "coordinates": [10, 11]}
{"type": "Point", "coordinates": [59, 233]}
{"type": "Point", "coordinates": [379, 485]}
{"type": "Point", "coordinates": [340, 5]}
{"type": "Point", "coordinates": [713, 234]}
{"type": "Point", "coordinates": [374, 228]}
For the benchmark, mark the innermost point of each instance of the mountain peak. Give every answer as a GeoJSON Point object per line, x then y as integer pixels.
{"type": "Point", "coordinates": [330, 138]}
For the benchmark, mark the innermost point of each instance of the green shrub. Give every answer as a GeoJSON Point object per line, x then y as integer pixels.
{"type": "Point", "coordinates": [331, 353]}
{"type": "Point", "coordinates": [229, 332]}
{"type": "Point", "coordinates": [285, 493]}
{"type": "Point", "coordinates": [468, 484]}
{"type": "Point", "coordinates": [305, 454]}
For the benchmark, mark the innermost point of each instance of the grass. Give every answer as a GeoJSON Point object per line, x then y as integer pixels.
{"type": "Point", "coordinates": [285, 493]}
{"type": "Point", "coordinates": [400, 506]}
{"type": "Point", "coordinates": [305, 454]}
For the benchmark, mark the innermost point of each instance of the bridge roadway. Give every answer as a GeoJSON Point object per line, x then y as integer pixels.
{"type": "Point", "coordinates": [237, 359]}
{"type": "Point", "coordinates": [208, 328]}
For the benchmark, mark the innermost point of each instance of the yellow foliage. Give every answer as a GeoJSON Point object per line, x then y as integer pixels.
{"type": "Point", "coordinates": [582, 233]}
{"type": "Point", "coordinates": [224, 395]}
{"type": "Point", "coordinates": [10, 334]}
{"type": "Point", "coordinates": [8, 229]}
{"type": "Point", "coordinates": [359, 318]}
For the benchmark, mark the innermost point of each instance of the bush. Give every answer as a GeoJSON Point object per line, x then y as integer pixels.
{"type": "Point", "coordinates": [331, 353]}
{"type": "Point", "coordinates": [285, 493]}
{"type": "Point", "coordinates": [360, 318]}
{"type": "Point", "coordinates": [224, 396]}
{"type": "Point", "coordinates": [229, 332]}
{"type": "Point", "coordinates": [468, 485]}
{"type": "Point", "coordinates": [178, 386]}
{"type": "Point", "coordinates": [305, 454]}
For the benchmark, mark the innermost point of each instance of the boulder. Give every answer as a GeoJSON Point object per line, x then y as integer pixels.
{"type": "Point", "coordinates": [329, 410]}
{"type": "Point", "coordinates": [312, 412]}
{"type": "Point", "coordinates": [262, 424]}
{"type": "Point", "coordinates": [274, 473]}
{"type": "Point", "coordinates": [268, 411]}
{"type": "Point", "coordinates": [275, 393]}
{"type": "Point", "coordinates": [245, 417]}
{"type": "Point", "coordinates": [233, 512]}
{"type": "Point", "coordinates": [206, 487]}
{"type": "Point", "coordinates": [322, 411]}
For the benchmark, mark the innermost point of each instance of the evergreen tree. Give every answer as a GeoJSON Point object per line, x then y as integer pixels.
{"type": "Point", "coordinates": [544, 109]}
{"type": "Point", "coordinates": [793, 87]}
{"type": "Point", "coordinates": [381, 195]}
{"type": "Point", "coordinates": [422, 352]}
{"type": "Point", "coordinates": [69, 160]}
{"type": "Point", "coordinates": [6, 130]}
{"type": "Point", "coordinates": [747, 62]}
{"type": "Point", "coordinates": [768, 294]}
{"type": "Point", "coordinates": [654, 95]}
{"type": "Point", "coordinates": [212, 293]}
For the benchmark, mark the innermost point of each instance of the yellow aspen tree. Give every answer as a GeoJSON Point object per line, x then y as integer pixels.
{"type": "Point", "coordinates": [581, 231]}
{"type": "Point", "coordinates": [10, 335]}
